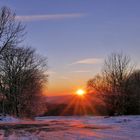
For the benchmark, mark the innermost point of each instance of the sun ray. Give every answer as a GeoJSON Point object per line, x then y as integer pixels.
{"type": "Point", "coordinates": [81, 103]}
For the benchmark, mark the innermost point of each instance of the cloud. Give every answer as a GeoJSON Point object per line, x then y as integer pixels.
{"type": "Point", "coordinates": [89, 61]}
{"type": "Point", "coordinates": [29, 18]}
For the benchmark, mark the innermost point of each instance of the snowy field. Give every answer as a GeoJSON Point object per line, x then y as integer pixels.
{"type": "Point", "coordinates": [71, 128]}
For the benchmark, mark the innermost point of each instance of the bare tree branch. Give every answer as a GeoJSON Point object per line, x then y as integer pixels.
{"type": "Point", "coordinates": [11, 31]}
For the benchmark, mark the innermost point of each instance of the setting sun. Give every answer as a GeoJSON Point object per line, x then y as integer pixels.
{"type": "Point", "coordinates": [80, 92]}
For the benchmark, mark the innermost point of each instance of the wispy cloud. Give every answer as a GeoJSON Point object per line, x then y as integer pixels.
{"type": "Point", "coordinates": [29, 18]}
{"type": "Point", "coordinates": [89, 61]}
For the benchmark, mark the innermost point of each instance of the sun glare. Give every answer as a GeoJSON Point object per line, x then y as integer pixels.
{"type": "Point", "coordinates": [80, 92]}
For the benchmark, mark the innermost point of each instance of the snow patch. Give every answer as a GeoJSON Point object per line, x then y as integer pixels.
{"type": "Point", "coordinates": [8, 119]}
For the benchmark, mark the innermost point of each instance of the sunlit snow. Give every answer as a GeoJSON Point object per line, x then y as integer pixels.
{"type": "Point", "coordinates": [71, 128]}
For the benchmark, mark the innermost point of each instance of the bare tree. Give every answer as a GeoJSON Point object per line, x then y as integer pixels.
{"type": "Point", "coordinates": [22, 71]}
{"type": "Point", "coordinates": [111, 85]}
{"type": "Point", "coordinates": [96, 84]}
{"type": "Point", "coordinates": [116, 70]}
{"type": "Point", "coordinates": [11, 31]}
{"type": "Point", "coordinates": [23, 75]}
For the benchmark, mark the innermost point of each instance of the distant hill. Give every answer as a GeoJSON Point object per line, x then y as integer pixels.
{"type": "Point", "coordinates": [59, 99]}
{"type": "Point", "coordinates": [74, 105]}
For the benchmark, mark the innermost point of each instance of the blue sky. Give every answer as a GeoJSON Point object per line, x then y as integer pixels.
{"type": "Point", "coordinates": [76, 35]}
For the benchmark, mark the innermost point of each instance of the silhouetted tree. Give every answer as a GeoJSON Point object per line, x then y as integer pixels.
{"type": "Point", "coordinates": [98, 88]}
{"type": "Point", "coordinates": [133, 93]}
{"type": "Point", "coordinates": [22, 71]}
{"type": "Point", "coordinates": [11, 31]}
{"type": "Point", "coordinates": [22, 76]}
{"type": "Point", "coordinates": [111, 85]}
{"type": "Point", "coordinates": [116, 69]}
{"type": "Point", "coordinates": [96, 85]}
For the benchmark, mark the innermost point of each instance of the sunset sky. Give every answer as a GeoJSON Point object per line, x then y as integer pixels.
{"type": "Point", "coordinates": [76, 36]}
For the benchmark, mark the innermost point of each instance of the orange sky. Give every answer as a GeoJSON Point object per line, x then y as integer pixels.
{"type": "Point", "coordinates": [66, 85]}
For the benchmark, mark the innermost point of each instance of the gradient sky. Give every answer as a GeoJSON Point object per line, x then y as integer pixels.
{"type": "Point", "coordinates": [76, 36]}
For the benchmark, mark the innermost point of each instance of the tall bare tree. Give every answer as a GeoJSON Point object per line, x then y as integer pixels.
{"type": "Point", "coordinates": [11, 31]}
{"type": "Point", "coordinates": [22, 71]}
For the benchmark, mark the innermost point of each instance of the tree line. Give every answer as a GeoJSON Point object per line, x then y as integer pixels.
{"type": "Point", "coordinates": [117, 86]}
{"type": "Point", "coordinates": [23, 72]}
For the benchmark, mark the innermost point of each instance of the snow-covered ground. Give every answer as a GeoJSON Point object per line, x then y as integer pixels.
{"type": "Point", "coordinates": [8, 119]}
{"type": "Point", "coordinates": [72, 128]}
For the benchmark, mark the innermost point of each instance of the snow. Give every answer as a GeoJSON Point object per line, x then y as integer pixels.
{"type": "Point", "coordinates": [72, 128]}
{"type": "Point", "coordinates": [8, 119]}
